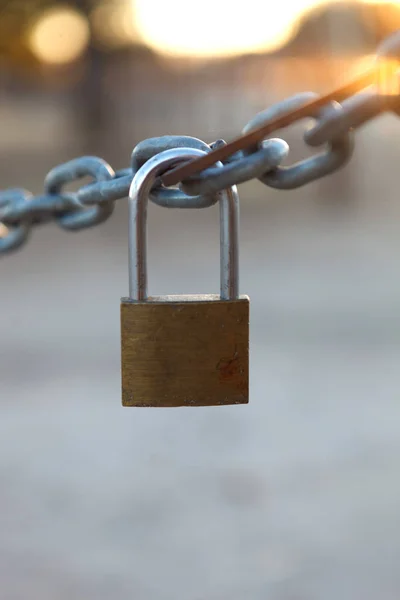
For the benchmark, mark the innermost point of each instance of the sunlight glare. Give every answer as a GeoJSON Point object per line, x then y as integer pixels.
{"type": "Point", "coordinates": [218, 28]}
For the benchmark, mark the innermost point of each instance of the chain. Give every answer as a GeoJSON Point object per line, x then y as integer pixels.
{"type": "Point", "coordinates": [332, 128]}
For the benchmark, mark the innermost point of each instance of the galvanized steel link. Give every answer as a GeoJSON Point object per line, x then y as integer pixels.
{"type": "Point", "coordinates": [238, 170]}
{"type": "Point", "coordinates": [307, 170]}
{"type": "Point", "coordinates": [37, 210]}
{"type": "Point", "coordinates": [171, 197]}
{"type": "Point", "coordinates": [106, 191]}
{"type": "Point", "coordinates": [81, 217]}
{"type": "Point", "coordinates": [13, 232]}
{"type": "Point", "coordinates": [339, 120]}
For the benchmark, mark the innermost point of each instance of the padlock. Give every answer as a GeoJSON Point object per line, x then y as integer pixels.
{"type": "Point", "coordinates": [188, 350]}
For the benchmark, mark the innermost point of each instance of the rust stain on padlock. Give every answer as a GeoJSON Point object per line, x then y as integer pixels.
{"type": "Point", "coordinates": [231, 369]}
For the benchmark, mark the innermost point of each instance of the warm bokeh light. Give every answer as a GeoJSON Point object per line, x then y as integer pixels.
{"type": "Point", "coordinates": [114, 24]}
{"type": "Point", "coordinates": [59, 36]}
{"type": "Point", "coordinates": [388, 80]}
{"type": "Point", "coordinates": [215, 28]}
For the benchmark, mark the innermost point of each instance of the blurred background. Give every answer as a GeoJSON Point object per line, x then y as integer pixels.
{"type": "Point", "coordinates": [293, 497]}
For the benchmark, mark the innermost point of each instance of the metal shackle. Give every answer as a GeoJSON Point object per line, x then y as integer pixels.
{"type": "Point", "coordinates": [139, 192]}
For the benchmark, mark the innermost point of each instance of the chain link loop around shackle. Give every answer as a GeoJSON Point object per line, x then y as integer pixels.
{"type": "Point", "coordinates": [171, 197]}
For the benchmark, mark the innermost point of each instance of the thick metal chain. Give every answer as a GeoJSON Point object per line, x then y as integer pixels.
{"type": "Point", "coordinates": [92, 204]}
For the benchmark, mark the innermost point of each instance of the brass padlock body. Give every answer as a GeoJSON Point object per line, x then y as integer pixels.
{"type": "Point", "coordinates": [185, 351]}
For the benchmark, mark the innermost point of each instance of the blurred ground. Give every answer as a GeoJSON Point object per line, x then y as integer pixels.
{"type": "Point", "coordinates": [295, 496]}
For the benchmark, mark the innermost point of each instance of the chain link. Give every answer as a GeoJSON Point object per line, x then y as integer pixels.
{"type": "Point", "coordinates": [243, 168]}
{"type": "Point", "coordinates": [82, 217]}
{"type": "Point", "coordinates": [305, 171]}
{"type": "Point", "coordinates": [333, 126]}
{"type": "Point", "coordinates": [171, 197]}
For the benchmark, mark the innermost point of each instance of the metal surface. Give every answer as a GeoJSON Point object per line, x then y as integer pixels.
{"type": "Point", "coordinates": [351, 114]}
{"type": "Point", "coordinates": [152, 146]}
{"type": "Point", "coordinates": [138, 199]}
{"type": "Point", "coordinates": [185, 351]}
{"type": "Point", "coordinates": [305, 171]}
{"type": "Point", "coordinates": [242, 169]}
{"type": "Point", "coordinates": [15, 231]}
{"type": "Point", "coordinates": [106, 191]}
{"type": "Point", "coordinates": [75, 169]}
{"type": "Point", "coordinates": [159, 194]}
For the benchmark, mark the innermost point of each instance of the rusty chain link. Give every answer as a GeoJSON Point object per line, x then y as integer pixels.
{"type": "Point", "coordinates": [333, 126]}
